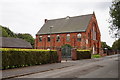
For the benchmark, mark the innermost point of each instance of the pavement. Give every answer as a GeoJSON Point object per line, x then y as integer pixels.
{"type": "Point", "coordinates": [11, 73]}
{"type": "Point", "coordinates": [18, 72]}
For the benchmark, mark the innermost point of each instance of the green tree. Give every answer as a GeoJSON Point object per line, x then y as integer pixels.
{"type": "Point", "coordinates": [116, 45]}
{"type": "Point", "coordinates": [26, 37]}
{"type": "Point", "coordinates": [115, 18]}
{"type": "Point", "coordinates": [3, 32]}
{"type": "Point", "coordinates": [104, 45]}
{"type": "Point", "coordinates": [9, 32]}
{"type": "Point", "coordinates": [6, 32]}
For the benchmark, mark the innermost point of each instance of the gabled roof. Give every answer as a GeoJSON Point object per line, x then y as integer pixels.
{"type": "Point", "coordinates": [65, 25]}
{"type": "Point", "coordinates": [9, 42]}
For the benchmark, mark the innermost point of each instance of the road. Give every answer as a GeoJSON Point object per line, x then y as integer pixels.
{"type": "Point", "coordinates": [106, 67]}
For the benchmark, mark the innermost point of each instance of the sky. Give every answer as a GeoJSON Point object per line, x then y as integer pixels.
{"type": "Point", "coordinates": [27, 16]}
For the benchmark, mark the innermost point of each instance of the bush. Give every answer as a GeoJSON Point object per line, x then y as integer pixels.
{"type": "Point", "coordinates": [14, 58]}
{"type": "Point", "coordinates": [96, 56]}
{"type": "Point", "coordinates": [83, 54]}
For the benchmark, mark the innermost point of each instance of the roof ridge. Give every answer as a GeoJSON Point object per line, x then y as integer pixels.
{"type": "Point", "coordinates": [69, 16]}
{"type": "Point", "coordinates": [66, 24]}
{"type": "Point", "coordinates": [13, 38]}
{"type": "Point", "coordinates": [83, 15]}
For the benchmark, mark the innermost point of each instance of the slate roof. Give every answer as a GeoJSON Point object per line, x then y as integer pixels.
{"type": "Point", "coordinates": [65, 25]}
{"type": "Point", "coordinates": [9, 42]}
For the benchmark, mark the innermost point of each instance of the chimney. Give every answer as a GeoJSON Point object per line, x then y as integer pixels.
{"type": "Point", "coordinates": [45, 20]}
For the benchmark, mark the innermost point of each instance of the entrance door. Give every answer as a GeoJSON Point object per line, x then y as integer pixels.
{"type": "Point", "coordinates": [66, 52]}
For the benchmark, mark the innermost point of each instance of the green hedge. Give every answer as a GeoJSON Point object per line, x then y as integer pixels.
{"type": "Point", "coordinates": [21, 58]}
{"type": "Point", "coordinates": [83, 54]}
{"type": "Point", "coordinates": [96, 56]}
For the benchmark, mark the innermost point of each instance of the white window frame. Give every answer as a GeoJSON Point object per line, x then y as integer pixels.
{"type": "Point", "coordinates": [40, 38]}
{"type": "Point", "coordinates": [58, 38]}
{"type": "Point", "coordinates": [48, 38]}
{"type": "Point", "coordinates": [79, 37]}
{"type": "Point", "coordinates": [68, 37]}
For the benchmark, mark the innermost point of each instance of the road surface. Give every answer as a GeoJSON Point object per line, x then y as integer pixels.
{"type": "Point", "coordinates": [106, 67]}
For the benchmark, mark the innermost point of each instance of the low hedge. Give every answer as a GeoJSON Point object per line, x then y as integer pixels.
{"type": "Point", "coordinates": [83, 54]}
{"type": "Point", "coordinates": [14, 58]}
{"type": "Point", "coordinates": [96, 56]}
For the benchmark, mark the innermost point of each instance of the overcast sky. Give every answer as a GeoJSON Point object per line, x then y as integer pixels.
{"type": "Point", "coordinates": [27, 16]}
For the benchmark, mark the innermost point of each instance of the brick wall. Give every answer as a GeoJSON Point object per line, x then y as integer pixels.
{"type": "Point", "coordinates": [87, 41]}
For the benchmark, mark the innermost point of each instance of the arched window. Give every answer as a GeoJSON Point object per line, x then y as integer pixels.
{"type": "Point", "coordinates": [48, 38]}
{"type": "Point", "coordinates": [94, 32]}
{"type": "Point", "coordinates": [79, 37]}
{"type": "Point", "coordinates": [40, 38]}
{"type": "Point", "coordinates": [68, 37]}
{"type": "Point", "coordinates": [58, 38]}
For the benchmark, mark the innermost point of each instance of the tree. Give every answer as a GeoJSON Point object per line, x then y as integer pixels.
{"type": "Point", "coordinates": [116, 45]}
{"type": "Point", "coordinates": [6, 32]}
{"type": "Point", "coordinates": [3, 32]}
{"type": "Point", "coordinates": [104, 45]}
{"type": "Point", "coordinates": [26, 37]}
{"type": "Point", "coordinates": [115, 18]}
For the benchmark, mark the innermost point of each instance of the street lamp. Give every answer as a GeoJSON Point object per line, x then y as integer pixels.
{"type": "Point", "coordinates": [116, 51]}
{"type": "Point", "coordinates": [106, 50]}
{"type": "Point", "coordinates": [50, 43]}
{"type": "Point", "coordinates": [50, 36]}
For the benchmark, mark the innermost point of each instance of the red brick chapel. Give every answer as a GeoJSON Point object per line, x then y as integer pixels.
{"type": "Point", "coordinates": [81, 32]}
